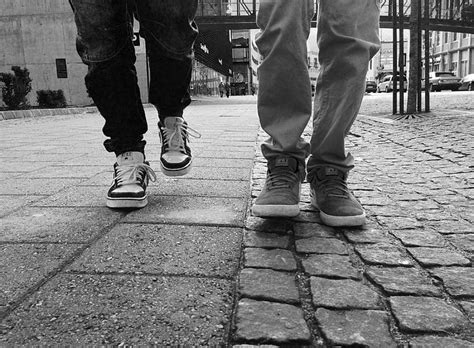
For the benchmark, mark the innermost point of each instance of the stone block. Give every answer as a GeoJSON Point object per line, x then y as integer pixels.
{"type": "Point", "coordinates": [266, 284]}
{"type": "Point", "coordinates": [329, 265]}
{"type": "Point", "coordinates": [277, 259]}
{"type": "Point", "coordinates": [458, 281]}
{"type": "Point", "coordinates": [265, 240]}
{"type": "Point", "coordinates": [270, 322]}
{"type": "Point", "coordinates": [383, 254]}
{"type": "Point", "coordinates": [369, 328]}
{"type": "Point", "coordinates": [428, 314]}
{"type": "Point", "coordinates": [402, 281]}
{"type": "Point", "coordinates": [317, 245]}
{"type": "Point", "coordinates": [343, 294]}
{"type": "Point", "coordinates": [430, 257]}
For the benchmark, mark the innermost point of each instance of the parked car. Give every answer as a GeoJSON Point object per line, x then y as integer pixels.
{"type": "Point", "coordinates": [387, 84]}
{"type": "Point", "coordinates": [467, 83]}
{"type": "Point", "coordinates": [440, 80]}
{"type": "Point", "coordinates": [370, 86]}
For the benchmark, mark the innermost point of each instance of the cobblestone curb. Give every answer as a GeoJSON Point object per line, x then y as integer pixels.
{"type": "Point", "coordinates": [404, 279]}
{"type": "Point", "coordinates": [17, 114]}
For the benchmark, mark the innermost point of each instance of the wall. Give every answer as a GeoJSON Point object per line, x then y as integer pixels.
{"type": "Point", "coordinates": [34, 33]}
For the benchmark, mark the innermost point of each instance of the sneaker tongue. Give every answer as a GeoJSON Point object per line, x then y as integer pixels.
{"type": "Point", "coordinates": [284, 163]}
{"type": "Point", "coordinates": [130, 157]}
{"type": "Point", "coordinates": [170, 122]}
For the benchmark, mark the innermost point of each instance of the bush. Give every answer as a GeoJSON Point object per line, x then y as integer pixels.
{"type": "Point", "coordinates": [51, 98]}
{"type": "Point", "coordinates": [15, 88]}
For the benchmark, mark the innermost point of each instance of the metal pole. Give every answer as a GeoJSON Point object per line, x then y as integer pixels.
{"type": "Point", "coordinates": [419, 62]}
{"type": "Point", "coordinates": [427, 54]}
{"type": "Point", "coordinates": [401, 62]}
{"type": "Point", "coordinates": [394, 49]}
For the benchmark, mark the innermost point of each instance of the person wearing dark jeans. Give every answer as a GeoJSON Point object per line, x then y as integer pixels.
{"type": "Point", "coordinates": [104, 43]}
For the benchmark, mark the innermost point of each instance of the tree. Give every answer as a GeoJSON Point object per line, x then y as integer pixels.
{"type": "Point", "coordinates": [16, 87]}
{"type": "Point", "coordinates": [414, 75]}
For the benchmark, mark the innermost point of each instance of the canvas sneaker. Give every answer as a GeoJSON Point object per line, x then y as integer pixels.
{"type": "Point", "coordinates": [131, 176]}
{"type": "Point", "coordinates": [175, 156]}
{"type": "Point", "coordinates": [337, 205]}
{"type": "Point", "coordinates": [280, 195]}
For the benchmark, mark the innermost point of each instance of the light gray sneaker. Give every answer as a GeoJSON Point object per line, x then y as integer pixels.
{"type": "Point", "coordinates": [336, 204]}
{"type": "Point", "coordinates": [280, 196]}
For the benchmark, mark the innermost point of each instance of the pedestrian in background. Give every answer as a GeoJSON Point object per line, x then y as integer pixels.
{"type": "Point", "coordinates": [347, 39]}
{"type": "Point", "coordinates": [104, 32]}
{"type": "Point", "coordinates": [227, 89]}
{"type": "Point", "coordinates": [221, 89]}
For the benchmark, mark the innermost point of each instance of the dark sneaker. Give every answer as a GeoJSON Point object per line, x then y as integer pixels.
{"type": "Point", "coordinates": [337, 206]}
{"type": "Point", "coordinates": [131, 175]}
{"type": "Point", "coordinates": [280, 195]}
{"type": "Point", "coordinates": [175, 156]}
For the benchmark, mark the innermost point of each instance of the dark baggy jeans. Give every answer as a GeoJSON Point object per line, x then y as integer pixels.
{"type": "Point", "coordinates": [104, 43]}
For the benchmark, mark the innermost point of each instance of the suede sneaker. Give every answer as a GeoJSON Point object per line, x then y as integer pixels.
{"type": "Point", "coordinates": [337, 206]}
{"type": "Point", "coordinates": [131, 175]}
{"type": "Point", "coordinates": [280, 195]}
{"type": "Point", "coordinates": [175, 159]}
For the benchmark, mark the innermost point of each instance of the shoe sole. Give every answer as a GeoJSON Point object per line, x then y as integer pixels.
{"type": "Point", "coordinates": [338, 221]}
{"type": "Point", "coordinates": [176, 172]}
{"type": "Point", "coordinates": [118, 203]}
{"type": "Point", "coordinates": [275, 210]}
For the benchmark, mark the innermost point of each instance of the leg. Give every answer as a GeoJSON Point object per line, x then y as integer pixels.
{"type": "Point", "coordinates": [284, 95]}
{"type": "Point", "coordinates": [104, 44]}
{"type": "Point", "coordinates": [284, 102]}
{"type": "Point", "coordinates": [347, 39]}
{"type": "Point", "coordinates": [169, 30]}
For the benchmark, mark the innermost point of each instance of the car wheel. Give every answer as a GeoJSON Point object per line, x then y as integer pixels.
{"type": "Point", "coordinates": [469, 87]}
{"type": "Point", "coordinates": [432, 89]}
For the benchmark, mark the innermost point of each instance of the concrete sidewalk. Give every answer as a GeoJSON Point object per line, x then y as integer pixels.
{"type": "Point", "coordinates": [194, 268]}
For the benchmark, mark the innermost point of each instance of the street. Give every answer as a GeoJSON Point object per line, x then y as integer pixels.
{"type": "Point", "coordinates": [194, 268]}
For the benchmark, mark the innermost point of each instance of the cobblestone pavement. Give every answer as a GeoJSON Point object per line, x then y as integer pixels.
{"type": "Point", "coordinates": [194, 268]}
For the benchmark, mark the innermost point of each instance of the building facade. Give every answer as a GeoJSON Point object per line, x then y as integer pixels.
{"type": "Point", "coordinates": [452, 52]}
{"type": "Point", "coordinates": [40, 36]}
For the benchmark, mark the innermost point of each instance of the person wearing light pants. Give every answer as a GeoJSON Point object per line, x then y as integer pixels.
{"type": "Point", "coordinates": [347, 36]}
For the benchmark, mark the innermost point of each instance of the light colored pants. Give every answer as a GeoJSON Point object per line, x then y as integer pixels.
{"type": "Point", "coordinates": [347, 38]}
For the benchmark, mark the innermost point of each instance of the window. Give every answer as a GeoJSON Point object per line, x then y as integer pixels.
{"type": "Point", "coordinates": [61, 68]}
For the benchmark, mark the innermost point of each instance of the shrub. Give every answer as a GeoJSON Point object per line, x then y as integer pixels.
{"type": "Point", "coordinates": [15, 88]}
{"type": "Point", "coordinates": [51, 98]}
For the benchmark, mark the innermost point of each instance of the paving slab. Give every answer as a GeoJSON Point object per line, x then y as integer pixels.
{"type": "Point", "coordinates": [59, 225]}
{"type": "Point", "coordinates": [191, 210]}
{"type": "Point", "coordinates": [164, 249]}
{"type": "Point", "coordinates": [85, 310]}
{"type": "Point", "coordinates": [23, 266]}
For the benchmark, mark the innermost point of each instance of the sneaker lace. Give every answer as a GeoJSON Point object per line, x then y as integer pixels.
{"type": "Point", "coordinates": [133, 173]}
{"type": "Point", "coordinates": [281, 179]}
{"type": "Point", "coordinates": [335, 187]}
{"type": "Point", "coordinates": [175, 138]}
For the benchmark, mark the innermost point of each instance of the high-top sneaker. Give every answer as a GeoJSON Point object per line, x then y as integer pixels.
{"type": "Point", "coordinates": [280, 195]}
{"type": "Point", "coordinates": [175, 156]}
{"type": "Point", "coordinates": [337, 205]}
{"type": "Point", "coordinates": [131, 175]}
